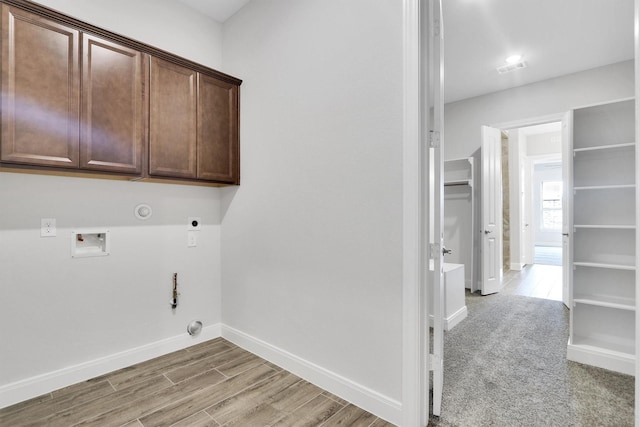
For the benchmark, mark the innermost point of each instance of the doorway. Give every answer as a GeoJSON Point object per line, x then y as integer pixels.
{"type": "Point", "coordinates": [532, 180]}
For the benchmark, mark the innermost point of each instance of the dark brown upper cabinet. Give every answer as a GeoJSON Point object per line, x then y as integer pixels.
{"type": "Point", "coordinates": [218, 148]}
{"type": "Point", "coordinates": [52, 115]}
{"type": "Point", "coordinates": [193, 125]}
{"type": "Point", "coordinates": [172, 120]}
{"type": "Point", "coordinates": [40, 90]}
{"type": "Point", "coordinates": [112, 118]}
{"type": "Point", "coordinates": [76, 98]}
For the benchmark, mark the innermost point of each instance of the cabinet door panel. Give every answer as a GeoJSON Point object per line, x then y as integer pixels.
{"type": "Point", "coordinates": [40, 86]}
{"type": "Point", "coordinates": [218, 145]}
{"type": "Point", "coordinates": [172, 120]}
{"type": "Point", "coordinates": [112, 107]}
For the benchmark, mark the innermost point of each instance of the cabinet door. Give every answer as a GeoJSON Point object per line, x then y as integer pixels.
{"type": "Point", "coordinates": [172, 120]}
{"type": "Point", "coordinates": [218, 145]}
{"type": "Point", "coordinates": [40, 87]}
{"type": "Point", "coordinates": [111, 136]}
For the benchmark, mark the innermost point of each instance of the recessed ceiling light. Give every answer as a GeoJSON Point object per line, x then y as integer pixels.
{"type": "Point", "coordinates": [513, 59]}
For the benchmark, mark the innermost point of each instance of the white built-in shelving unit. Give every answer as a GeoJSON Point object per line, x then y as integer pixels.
{"type": "Point", "coordinates": [459, 215]}
{"type": "Point", "coordinates": [603, 236]}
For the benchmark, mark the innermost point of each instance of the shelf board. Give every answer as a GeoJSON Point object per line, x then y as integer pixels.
{"type": "Point", "coordinates": [604, 147]}
{"type": "Point", "coordinates": [606, 301]}
{"type": "Point", "coordinates": [605, 187]}
{"type": "Point", "coordinates": [606, 226]}
{"type": "Point", "coordinates": [603, 265]}
{"type": "Point", "coordinates": [458, 182]}
{"type": "Point", "coordinates": [622, 349]}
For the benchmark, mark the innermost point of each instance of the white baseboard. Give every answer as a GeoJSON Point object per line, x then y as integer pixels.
{"type": "Point", "coordinates": [594, 356]}
{"type": "Point", "coordinates": [35, 386]}
{"type": "Point", "coordinates": [516, 266]}
{"type": "Point", "coordinates": [452, 320]}
{"type": "Point", "coordinates": [455, 318]}
{"type": "Point", "coordinates": [367, 399]}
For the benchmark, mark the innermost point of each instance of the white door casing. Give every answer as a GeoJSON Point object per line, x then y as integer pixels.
{"type": "Point", "coordinates": [415, 298]}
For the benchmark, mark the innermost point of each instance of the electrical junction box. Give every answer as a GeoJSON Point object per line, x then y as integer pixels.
{"type": "Point", "coordinates": [90, 243]}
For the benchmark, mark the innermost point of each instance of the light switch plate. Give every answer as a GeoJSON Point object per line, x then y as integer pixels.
{"type": "Point", "coordinates": [47, 227]}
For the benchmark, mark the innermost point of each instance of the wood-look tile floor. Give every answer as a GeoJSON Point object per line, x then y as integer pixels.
{"type": "Point", "coordinates": [536, 280]}
{"type": "Point", "coordinates": [214, 383]}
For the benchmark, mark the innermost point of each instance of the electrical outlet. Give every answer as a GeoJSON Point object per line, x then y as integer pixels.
{"type": "Point", "coordinates": [47, 227]}
{"type": "Point", "coordinates": [192, 239]}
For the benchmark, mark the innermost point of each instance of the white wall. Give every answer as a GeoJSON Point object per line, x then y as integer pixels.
{"type": "Point", "coordinates": [62, 317]}
{"type": "Point", "coordinates": [165, 24]}
{"type": "Point", "coordinates": [463, 119]}
{"type": "Point", "coordinates": [544, 144]}
{"type": "Point", "coordinates": [312, 259]}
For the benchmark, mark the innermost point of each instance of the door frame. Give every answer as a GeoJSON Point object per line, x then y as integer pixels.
{"type": "Point", "coordinates": [527, 122]}
{"type": "Point", "coordinates": [415, 203]}
{"type": "Point", "coordinates": [636, 37]}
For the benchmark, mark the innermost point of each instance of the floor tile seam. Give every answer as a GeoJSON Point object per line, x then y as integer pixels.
{"type": "Point", "coordinates": [261, 404]}
{"type": "Point", "coordinates": [307, 401]}
{"type": "Point", "coordinates": [52, 411]}
{"type": "Point", "coordinates": [109, 409]}
{"type": "Point", "coordinates": [330, 396]}
{"type": "Point", "coordinates": [215, 366]}
{"type": "Point", "coordinates": [170, 380]}
{"type": "Point", "coordinates": [156, 370]}
{"type": "Point", "coordinates": [204, 356]}
{"type": "Point", "coordinates": [204, 343]}
{"type": "Point", "coordinates": [71, 396]}
{"type": "Point", "coordinates": [244, 370]}
{"type": "Point", "coordinates": [192, 415]}
{"type": "Point", "coordinates": [146, 413]}
{"type": "Point", "coordinates": [334, 415]}
{"type": "Point", "coordinates": [203, 390]}
{"type": "Point", "coordinates": [270, 399]}
{"type": "Point", "coordinates": [208, 408]}
{"type": "Point", "coordinates": [8, 414]}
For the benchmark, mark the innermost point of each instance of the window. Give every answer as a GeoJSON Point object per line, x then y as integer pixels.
{"type": "Point", "coordinates": [551, 218]}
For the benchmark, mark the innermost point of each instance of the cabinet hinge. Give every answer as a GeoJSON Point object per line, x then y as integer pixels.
{"type": "Point", "coordinates": [435, 362]}
{"type": "Point", "coordinates": [434, 139]}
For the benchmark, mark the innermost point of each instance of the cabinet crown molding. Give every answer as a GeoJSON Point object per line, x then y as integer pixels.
{"type": "Point", "coordinates": [117, 38]}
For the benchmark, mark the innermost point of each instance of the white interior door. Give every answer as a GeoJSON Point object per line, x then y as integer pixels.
{"type": "Point", "coordinates": [491, 211]}
{"type": "Point", "coordinates": [567, 206]}
{"type": "Point", "coordinates": [436, 87]}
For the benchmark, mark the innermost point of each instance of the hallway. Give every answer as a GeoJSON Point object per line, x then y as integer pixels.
{"type": "Point", "coordinates": [536, 280]}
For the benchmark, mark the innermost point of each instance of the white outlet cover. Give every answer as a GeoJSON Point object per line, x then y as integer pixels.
{"type": "Point", "coordinates": [47, 227]}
